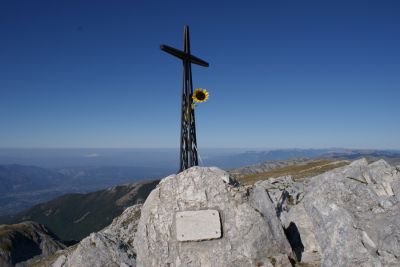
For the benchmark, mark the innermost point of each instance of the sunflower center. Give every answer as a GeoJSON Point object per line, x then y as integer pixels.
{"type": "Point", "coordinates": [200, 95]}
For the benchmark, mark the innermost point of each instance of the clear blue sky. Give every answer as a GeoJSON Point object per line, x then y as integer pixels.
{"type": "Point", "coordinates": [282, 73]}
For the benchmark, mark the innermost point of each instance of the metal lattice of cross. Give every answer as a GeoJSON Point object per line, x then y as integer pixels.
{"type": "Point", "coordinates": [188, 143]}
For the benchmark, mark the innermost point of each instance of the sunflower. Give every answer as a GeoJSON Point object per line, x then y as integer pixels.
{"type": "Point", "coordinates": [200, 95]}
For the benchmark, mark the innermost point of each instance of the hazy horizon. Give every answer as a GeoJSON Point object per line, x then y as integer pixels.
{"type": "Point", "coordinates": [207, 148]}
{"type": "Point", "coordinates": [166, 158]}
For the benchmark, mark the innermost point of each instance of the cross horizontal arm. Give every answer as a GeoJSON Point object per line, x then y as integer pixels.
{"type": "Point", "coordinates": [198, 61]}
{"type": "Point", "coordinates": [182, 55]}
{"type": "Point", "coordinates": [173, 51]}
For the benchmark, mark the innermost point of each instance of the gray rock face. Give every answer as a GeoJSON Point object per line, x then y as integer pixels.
{"type": "Point", "coordinates": [286, 194]}
{"type": "Point", "coordinates": [252, 233]}
{"type": "Point", "coordinates": [113, 246]}
{"type": "Point", "coordinates": [396, 189]}
{"type": "Point", "coordinates": [349, 216]}
{"type": "Point", "coordinates": [299, 229]}
{"type": "Point", "coordinates": [354, 215]}
{"type": "Point", "coordinates": [99, 249]}
{"type": "Point", "coordinates": [283, 191]}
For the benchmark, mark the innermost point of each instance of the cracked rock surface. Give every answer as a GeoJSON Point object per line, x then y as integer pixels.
{"type": "Point", "coordinates": [252, 232]}
{"type": "Point", "coordinates": [349, 216]}
{"type": "Point", "coordinates": [111, 247]}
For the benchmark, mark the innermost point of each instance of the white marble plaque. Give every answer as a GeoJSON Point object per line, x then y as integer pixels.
{"type": "Point", "coordinates": [197, 225]}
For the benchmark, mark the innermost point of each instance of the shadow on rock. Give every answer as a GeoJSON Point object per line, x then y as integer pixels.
{"type": "Point", "coordinates": [294, 238]}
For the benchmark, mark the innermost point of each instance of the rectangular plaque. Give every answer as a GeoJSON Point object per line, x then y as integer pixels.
{"type": "Point", "coordinates": [197, 225]}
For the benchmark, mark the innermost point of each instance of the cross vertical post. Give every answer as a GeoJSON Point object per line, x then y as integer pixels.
{"type": "Point", "coordinates": [188, 141]}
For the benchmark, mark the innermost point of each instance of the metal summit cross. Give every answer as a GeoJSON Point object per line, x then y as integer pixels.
{"type": "Point", "coordinates": [188, 147]}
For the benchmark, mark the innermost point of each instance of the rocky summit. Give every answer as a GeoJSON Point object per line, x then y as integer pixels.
{"type": "Point", "coordinates": [252, 233]}
{"type": "Point", "coordinates": [349, 216]}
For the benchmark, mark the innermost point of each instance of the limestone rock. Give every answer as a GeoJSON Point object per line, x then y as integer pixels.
{"type": "Point", "coordinates": [354, 214]}
{"type": "Point", "coordinates": [299, 230]}
{"type": "Point", "coordinates": [283, 191]}
{"type": "Point", "coordinates": [113, 246]}
{"type": "Point", "coordinates": [349, 216]}
{"type": "Point", "coordinates": [252, 233]}
{"type": "Point", "coordinates": [396, 189]}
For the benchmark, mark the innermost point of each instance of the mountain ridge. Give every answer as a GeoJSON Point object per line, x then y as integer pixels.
{"type": "Point", "coordinates": [25, 241]}
{"type": "Point", "coordinates": [74, 216]}
{"type": "Point", "coordinates": [23, 186]}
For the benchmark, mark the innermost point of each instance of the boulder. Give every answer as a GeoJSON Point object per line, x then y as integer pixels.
{"type": "Point", "coordinates": [299, 230]}
{"type": "Point", "coordinates": [252, 234]}
{"type": "Point", "coordinates": [354, 215]}
{"type": "Point", "coordinates": [111, 247]}
{"type": "Point", "coordinates": [283, 191]}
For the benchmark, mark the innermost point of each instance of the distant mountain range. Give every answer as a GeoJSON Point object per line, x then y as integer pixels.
{"type": "Point", "coordinates": [21, 187]}
{"type": "Point", "coordinates": [74, 216]}
{"type": "Point", "coordinates": [391, 156]}
{"type": "Point", "coordinates": [250, 157]}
